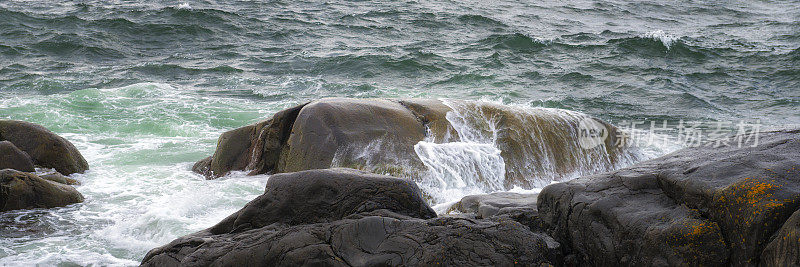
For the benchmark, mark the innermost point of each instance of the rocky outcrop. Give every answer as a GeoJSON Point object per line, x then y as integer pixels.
{"type": "Point", "coordinates": [353, 218]}
{"type": "Point", "coordinates": [45, 148]}
{"type": "Point", "coordinates": [698, 206]}
{"type": "Point", "coordinates": [379, 135]}
{"type": "Point", "coordinates": [20, 190]}
{"type": "Point", "coordinates": [13, 158]}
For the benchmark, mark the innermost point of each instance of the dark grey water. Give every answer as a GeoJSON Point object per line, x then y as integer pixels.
{"type": "Point", "coordinates": [143, 90]}
{"type": "Point", "coordinates": [616, 59]}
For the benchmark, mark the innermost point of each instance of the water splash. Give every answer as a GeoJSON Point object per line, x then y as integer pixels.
{"type": "Point", "coordinates": [502, 147]}
{"type": "Point", "coordinates": [659, 35]}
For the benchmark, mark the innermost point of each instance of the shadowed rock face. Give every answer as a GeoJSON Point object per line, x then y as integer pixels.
{"type": "Point", "coordinates": [318, 196]}
{"type": "Point", "coordinates": [13, 158]}
{"type": "Point", "coordinates": [344, 217]}
{"type": "Point", "coordinates": [20, 190]}
{"type": "Point", "coordinates": [379, 135]}
{"type": "Point", "coordinates": [784, 249]}
{"type": "Point", "coordinates": [44, 147]}
{"type": "Point", "coordinates": [705, 206]}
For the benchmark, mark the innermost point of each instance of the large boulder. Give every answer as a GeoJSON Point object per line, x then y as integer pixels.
{"type": "Point", "coordinates": [341, 217]}
{"type": "Point", "coordinates": [698, 206]}
{"type": "Point", "coordinates": [21, 190]}
{"type": "Point", "coordinates": [13, 158]}
{"type": "Point", "coordinates": [537, 145]}
{"type": "Point", "coordinates": [343, 132]}
{"type": "Point", "coordinates": [45, 148]}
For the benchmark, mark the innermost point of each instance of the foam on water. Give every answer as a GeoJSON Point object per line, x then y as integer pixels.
{"type": "Point", "coordinates": [474, 164]}
{"type": "Point", "coordinates": [659, 35]}
{"type": "Point", "coordinates": [140, 141]}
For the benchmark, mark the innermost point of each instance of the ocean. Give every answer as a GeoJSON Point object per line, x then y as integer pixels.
{"type": "Point", "coordinates": [143, 90]}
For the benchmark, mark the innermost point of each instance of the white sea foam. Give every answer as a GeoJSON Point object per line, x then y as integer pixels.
{"type": "Point", "coordinates": [659, 35]}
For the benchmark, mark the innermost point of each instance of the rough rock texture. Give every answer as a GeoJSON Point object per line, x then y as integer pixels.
{"type": "Point", "coordinates": [784, 250]}
{"type": "Point", "coordinates": [379, 135]}
{"type": "Point", "coordinates": [487, 205]}
{"type": "Point", "coordinates": [45, 148]}
{"type": "Point", "coordinates": [365, 228]}
{"type": "Point", "coordinates": [13, 158]}
{"type": "Point", "coordinates": [697, 206]}
{"type": "Point", "coordinates": [20, 190]}
{"type": "Point", "coordinates": [318, 196]}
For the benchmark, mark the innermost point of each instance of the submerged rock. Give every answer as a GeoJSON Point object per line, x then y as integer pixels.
{"type": "Point", "coordinates": [379, 135]}
{"type": "Point", "coordinates": [44, 147]}
{"type": "Point", "coordinates": [20, 190]}
{"type": "Point", "coordinates": [341, 217]}
{"type": "Point", "coordinates": [13, 158]}
{"type": "Point", "coordinates": [697, 206]}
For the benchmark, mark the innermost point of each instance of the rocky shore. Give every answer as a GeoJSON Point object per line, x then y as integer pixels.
{"type": "Point", "coordinates": [708, 205]}
{"type": "Point", "coordinates": [327, 203]}
{"type": "Point", "coordinates": [23, 148]}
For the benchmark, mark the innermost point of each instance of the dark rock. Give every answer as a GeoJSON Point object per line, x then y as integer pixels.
{"type": "Point", "coordinates": [487, 205]}
{"type": "Point", "coordinates": [20, 190]}
{"type": "Point", "coordinates": [325, 195]}
{"type": "Point", "coordinates": [366, 241]}
{"type": "Point", "coordinates": [13, 158]}
{"type": "Point", "coordinates": [350, 218]}
{"type": "Point", "coordinates": [698, 206]}
{"type": "Point", "coordinates": [45, 148]}
{"type": "Point", "coordinates": [256, 147]}
{"type": "Point", "coordinates": [784, 249]}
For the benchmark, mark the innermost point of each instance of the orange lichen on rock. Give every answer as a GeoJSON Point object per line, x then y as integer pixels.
{"type": "Point", "coordinates": [750, 194]}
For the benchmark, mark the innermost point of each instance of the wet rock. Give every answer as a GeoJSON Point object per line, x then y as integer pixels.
{"type": "Point", "coordinates": [58, 178]}
{"type": "Point", "coordinates": [343, 217]}
{"type": "Point", "coordinates": [433, 114]}
{"type": "Point", "coordinates": [541, 142]}
{"type": "Point", "coordinates": [13, 158]}
{"type": "Point", "coordinates": [378, 135]}
{"type": "Point", "coordinates": [45, 148]}
{"type": "Point", "coordinates": [704, 206]}
{"type": "Point", "coordinates": [21, 190]}
{"type": "Point", "coordinates": [339, 131]}
{"type": "Point", "coordinates": [487, 205]}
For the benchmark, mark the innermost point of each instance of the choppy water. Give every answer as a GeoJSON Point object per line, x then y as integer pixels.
{"type": "Point", "coordinates": [143, 90]}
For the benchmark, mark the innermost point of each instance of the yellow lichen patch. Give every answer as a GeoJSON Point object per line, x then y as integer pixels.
{"type": "Point", "coordinates": [696, 240]}
{"type": "Point", "coordinates": [752, 195]}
